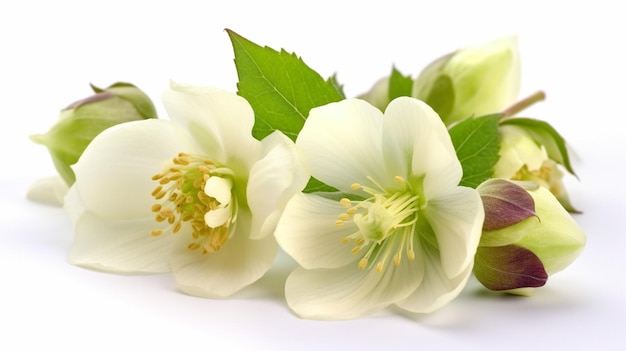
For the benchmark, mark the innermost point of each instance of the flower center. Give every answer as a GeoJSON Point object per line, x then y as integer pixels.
{"type": "Point", "coordinates": [548, 176]}
{"type": "Point", "coordinates": [386, 223]}
{"type": "Point", "coordinates": [197, 191]}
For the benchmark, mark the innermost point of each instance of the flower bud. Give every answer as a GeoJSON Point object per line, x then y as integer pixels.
{"type": "Point", "coordinates": [522, 157]}
{"type": "Point", "coordinates": [83, 120]}
{"type": "Point", "coordinates": [472, 81]}
{"type": "Point", "coordinates": [527, 236]}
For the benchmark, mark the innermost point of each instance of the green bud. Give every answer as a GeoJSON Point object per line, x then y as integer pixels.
{"type": "Point", "coordinates": [83, 120]}
{"type": "Point", "coordinates": [378, 95]}
{"type": "Point", "coordinates": [472, 81]}
{"type": "Point", "coordinates": [527, 236]}
{"type": "Point", "coordinates": [387, 89]}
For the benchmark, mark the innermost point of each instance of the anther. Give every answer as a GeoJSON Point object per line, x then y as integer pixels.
{"type": "Point", "coordinates": [158, 176]}
{"type": "Point", "coordinates": [166, 212]}
{"type": "Point", "coordinates": [345, 202]}
{"type": "Point", "coordinates": [157, 190]}
{"type": "Point", "coordinates": [203, 169]}
{"type": "Point", "coordinates": [156, 232]}
{"type": "Point", "coordinates": [396, 259]}
{"type": "Point", "coordinates": [193, 246]}
{"type": "Point", "coordinates": [380, 266]}
{"type": "Point", "coordinates": [410, 254]}
{"type": "Point", "coordinates": [363, 263]}
{"type": "Point", "coordinates": [164, 180]}
{"type": "Point", "coordinates": [174, 176]}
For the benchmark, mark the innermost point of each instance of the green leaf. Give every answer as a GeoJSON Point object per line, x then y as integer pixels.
{"type": "Point", "coordinates": [314, 185]}
{"type": "Point", "coordinates": [508, 267]}
{"type": "Point", "coordinates": [399, 85]}
{"type": "Point", "coordinates": [544, 134]}
{"type": "Point", "coordinates": [338, 86]}
{"type": "Point", "coordinates": [477, 144]}
{"type": "Point", "coordinates": [279, 86]}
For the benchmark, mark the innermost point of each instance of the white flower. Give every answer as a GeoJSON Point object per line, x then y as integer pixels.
{"type": "Point", "coordinates": [197, 194]}
{"type": "Point", "coordinates": [404, 232]}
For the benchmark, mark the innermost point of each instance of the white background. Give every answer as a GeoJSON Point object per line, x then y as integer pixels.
{"type": "Point", "coordinates": [51, 50]}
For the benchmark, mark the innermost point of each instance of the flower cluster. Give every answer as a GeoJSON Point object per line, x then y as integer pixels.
{"type": "Point", "coordinates": [396, 197]}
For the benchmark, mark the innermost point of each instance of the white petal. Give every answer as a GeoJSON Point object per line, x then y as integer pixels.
{"type": "Point", "coordinates": [118, 245]}
{"type": "Point", "coordinates": [73, 204]}
{"type": "Point", "coordinates": [114, 173]}
{"type": "Point", "coordinates": [436, 289]}
{"type": "Point", "coordinates": [308, 233]}
{"type": "Point", "coordinates": [457, 220]}
{"type": "Point", "coordinates": [240, 262]}
{"type": "Point", "coordinates": [220, 189]}
{"type": "Point", "coordinates": [49, 191]}
{"type": "Point", "coordinates": [341, 144]}
{"type": "Point", "coordinates": [417, 142]}
{"type": "Point", "coordinates": [219, 121]}
{"type": "Point", "coordinates": [274, 179]}
{"type": "Point", "coordinates": [349, 292]}
{"type": "Point", "coordinates": [217, 217]}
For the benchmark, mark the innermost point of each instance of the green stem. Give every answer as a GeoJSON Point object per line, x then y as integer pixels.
{"type": "Point", "coordinates": [524, 104]}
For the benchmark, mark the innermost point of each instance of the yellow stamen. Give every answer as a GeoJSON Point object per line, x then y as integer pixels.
{"type": "Point", "coordinates": [363, 263]}
{"type": "Point", "coordinates": [410, 254]}
{"type": "Point", "coordinates": [396, 259]}
{"type": "Point", "coordinates": [182, 198]}
{"type": "Point", "coordinates": [379, 267]}
{"type": "Point", "coordinates": [385, 221]}
{"type": "Point", "coordinates": [345, 202]}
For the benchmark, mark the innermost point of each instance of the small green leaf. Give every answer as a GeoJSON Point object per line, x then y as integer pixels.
{"type": "Point", "coordinates": [279, 86]}
{"type": "Point", "coordinates": [477, 144]}
{"type": "Point", "coordinates": [508, 267]}
{"type": "Point", "coordinates": [314, 185]}
{"type": "Point", "coordinates": [544, 134]}
{"type": "Point", "coordinates": [399, 85]}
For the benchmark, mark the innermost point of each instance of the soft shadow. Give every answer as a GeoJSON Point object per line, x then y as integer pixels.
{"type": "Point", "coordinates": [272, 285]}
